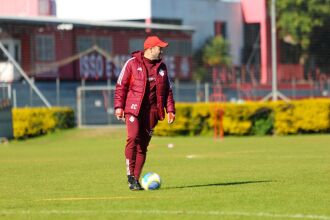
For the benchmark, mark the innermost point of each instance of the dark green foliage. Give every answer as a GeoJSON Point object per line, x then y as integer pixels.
{"type": "Point", "coordinates": [262, 122]}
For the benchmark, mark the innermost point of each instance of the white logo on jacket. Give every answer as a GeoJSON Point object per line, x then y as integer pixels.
{"type": "Point", "coordinates": [134, 106]}
{"type": "Point", "coordinates": [139, 68]}
{"type": "Point", "coordinates": [161, 72]}
{"type": "Point", "coordinates": [131, 119]}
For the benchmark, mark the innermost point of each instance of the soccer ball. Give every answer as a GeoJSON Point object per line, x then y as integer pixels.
{"type": "Point", "coordinates": [151, 181]}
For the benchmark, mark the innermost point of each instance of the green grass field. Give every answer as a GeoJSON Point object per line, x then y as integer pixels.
{"type": "Point", "coordinates": [80, 174]}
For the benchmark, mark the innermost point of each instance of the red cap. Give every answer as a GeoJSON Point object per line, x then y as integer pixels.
{"type": "Point", "coordinates": [153, 41]}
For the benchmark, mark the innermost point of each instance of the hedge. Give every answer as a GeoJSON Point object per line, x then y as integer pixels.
{"type": "Point", "coordinates": [29, 122]}
{"type": "Point", "coordinates": [250, 118]}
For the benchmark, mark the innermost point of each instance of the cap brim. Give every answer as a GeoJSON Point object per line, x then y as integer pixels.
{"type": "Point", "coordinates": [162, 44]}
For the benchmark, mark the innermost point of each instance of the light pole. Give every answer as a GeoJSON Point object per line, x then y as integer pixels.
{"type": "Point", "coordinates": [275, 93]}
{"type": "Point", "coordinates": [274, 50]}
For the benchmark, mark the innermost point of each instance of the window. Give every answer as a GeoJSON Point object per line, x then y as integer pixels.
{"type": "Point", "coordinates": [251, 50]}
{"type": "Point", "coordinates": [3, 56]}
{"type": "Point", "coordinates": [135, 44]}
{"type": "Point", "coordinates": [178, 47]}
{"type": "Point", "coordinates": [104, 43]}
{"type": "Point", "coordinates": [87, 42]}
{"type": "Point", "coordinates": [220, 28]}
{"type": "Point", "coordinates": [45, 46]}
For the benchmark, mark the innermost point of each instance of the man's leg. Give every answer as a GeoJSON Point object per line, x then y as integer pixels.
{"type": "Point", "coordinates": [132, 125]}
{"type": "Point", "coordinates": [147, 124]}
{"type": "Point", "coordinates": [141, 154]}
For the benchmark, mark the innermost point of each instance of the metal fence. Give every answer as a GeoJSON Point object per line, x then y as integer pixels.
{"type": "Point", "coordinates": [96, 97]}
{"type": "Point", "coordinates": [6, 123]}
{"type": "Point", "coordinates": [64, 93]}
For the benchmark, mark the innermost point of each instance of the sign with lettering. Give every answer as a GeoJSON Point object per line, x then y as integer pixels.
{"type": "Point", "coordinates": [96, 66]}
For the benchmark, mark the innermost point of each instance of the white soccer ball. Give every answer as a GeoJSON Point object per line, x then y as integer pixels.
{"type": "Point", "coordinates": [151, 181]}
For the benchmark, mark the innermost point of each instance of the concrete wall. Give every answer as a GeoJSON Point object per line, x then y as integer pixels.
{"type": "Point", "coordinates": [19, 7]}
{"type": "Point", "coordinates": [202, 14]}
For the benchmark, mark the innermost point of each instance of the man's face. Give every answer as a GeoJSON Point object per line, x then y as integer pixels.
{"type": "Point", "coordinates": [156, 52]}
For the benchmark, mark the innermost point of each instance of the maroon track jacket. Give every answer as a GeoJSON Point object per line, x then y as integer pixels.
{"type": "Point", "coordinates": [131, 85]}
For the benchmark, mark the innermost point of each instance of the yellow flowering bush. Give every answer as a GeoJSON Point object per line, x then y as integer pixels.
{"type": "Point", "coordinates": [250, 118]}
{"type": "Point", "coordinates": [29, 122]}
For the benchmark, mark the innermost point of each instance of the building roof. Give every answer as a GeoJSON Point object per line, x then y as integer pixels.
{"type": "Point", "coordinates": [79, 22]}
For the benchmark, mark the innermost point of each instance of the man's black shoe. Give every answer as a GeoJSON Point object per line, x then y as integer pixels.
{"type": "Point", "coordinates": [133, 184]}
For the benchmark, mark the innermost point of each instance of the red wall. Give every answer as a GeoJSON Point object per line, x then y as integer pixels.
{"type": "Point", "coordinates": [65, 49]}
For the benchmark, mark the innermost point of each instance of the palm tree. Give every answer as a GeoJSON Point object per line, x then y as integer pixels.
{"type": "Point", "coordinates": [216, 55]}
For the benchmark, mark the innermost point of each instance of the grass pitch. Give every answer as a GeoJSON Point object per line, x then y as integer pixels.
{"type": "Point", "coordinates": [80, 174]}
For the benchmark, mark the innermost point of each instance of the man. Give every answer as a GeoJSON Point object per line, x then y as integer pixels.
{"type": "Point", "coordinates": [143, 92]}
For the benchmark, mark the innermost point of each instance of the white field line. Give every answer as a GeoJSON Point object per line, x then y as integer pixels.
{"type": "Point", "coordinates": [164, 212]}
{"type": "Point", "coordinates": [89, 198]}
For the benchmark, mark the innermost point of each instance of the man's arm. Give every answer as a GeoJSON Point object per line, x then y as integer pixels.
{"type": "Point", "coordinates": [122, 89]}
{"type": "Point", "coordinates": [170, 104]}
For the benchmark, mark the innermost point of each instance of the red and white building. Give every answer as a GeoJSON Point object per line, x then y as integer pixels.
{"type": "Point", "coordinates": [244, 23]}
{"type": "Point", "coordinates": [47, 47]}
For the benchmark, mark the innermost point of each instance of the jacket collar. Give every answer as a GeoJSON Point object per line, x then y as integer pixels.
{"type": "Point", "coordinates": [139, 56]}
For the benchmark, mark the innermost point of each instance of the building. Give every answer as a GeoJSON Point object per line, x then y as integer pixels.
{"type": "Point", "coordinates": [244, 23]}
{"type": "Point", "coordinates": [208, 17]}
{"type": "Point", "coordinates": [71, 49]}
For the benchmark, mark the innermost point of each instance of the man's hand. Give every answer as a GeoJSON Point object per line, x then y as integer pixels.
{"type": "Point", "coordinates": [120, 114]}
{"type": "Point", "coordinates": [170, 117]}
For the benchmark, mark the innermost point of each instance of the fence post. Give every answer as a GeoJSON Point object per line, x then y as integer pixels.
{"type": "Point", "coordinates": [312, 89]}
{"type": "Point", "coordinates": [293, 88]}
{"type": "Point", "coordinates": [238, 88]}
{"type": "Point", "coordinates": [198, 87]}
{"type": "Point", "coordinates": [177, 84]}
{"type": "Point", "coordinates": [14, 99]}
{"type": "Point", "coordinates": [79, 113]}
{"type": "Point", "coordinates": [31, 91]}
{"type": "Point", "coordinates": [57, 91]}
{"type": "Point", "coordinates": [207, 92]}
{"type": "Point", "coordinates": [9, 91]}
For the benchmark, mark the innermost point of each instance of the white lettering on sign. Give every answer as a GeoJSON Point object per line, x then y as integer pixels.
{"type": "Point", "coordinates": [91, 66]}
{"type": "Point", "coordinates": [95, 65]}
{"type": "Point", "coordinates": [99, 66]}
{"type": "Point", "coordinates": [84, 69]}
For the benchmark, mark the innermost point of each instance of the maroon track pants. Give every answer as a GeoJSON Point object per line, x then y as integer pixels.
{"type": "Point", "coordinates": [139, 132]}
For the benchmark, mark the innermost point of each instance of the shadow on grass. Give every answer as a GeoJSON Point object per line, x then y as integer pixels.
{"type": "Point", "coordinates": [220, 184]}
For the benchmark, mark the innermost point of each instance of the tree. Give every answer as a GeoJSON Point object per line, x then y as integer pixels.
{"type": "Point", "coordinates": [216, 53]}
{"type": "Point", "coordinates": [297, 19]}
